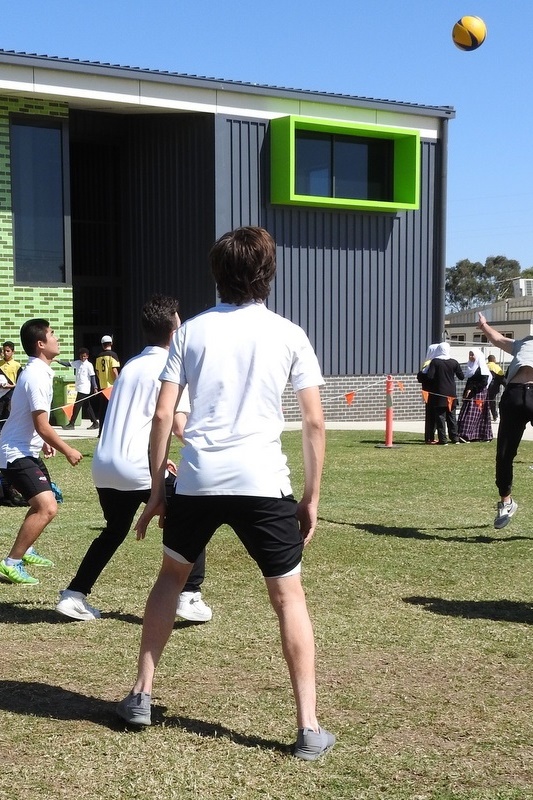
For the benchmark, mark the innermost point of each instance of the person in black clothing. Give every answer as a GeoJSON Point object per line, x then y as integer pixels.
{"type": "Point", "coordinates": [427, 386]}
{"type": "Point", "coordinates": [442, 371]}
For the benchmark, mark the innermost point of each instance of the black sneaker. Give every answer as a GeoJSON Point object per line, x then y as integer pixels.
{"type": "Point", "coordinates": [310, 745]}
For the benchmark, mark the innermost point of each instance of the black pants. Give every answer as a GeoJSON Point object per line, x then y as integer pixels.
{"type": "Point", "coordinates": [429, 423]}
{"type": "Point", "coordinates": [444, 418]}
{"type": "Point", "coordinates": [516, 410]}
{"type": "Point", "coordinates": [119, 511]}
{"type": "Point", "coordinates": [83, 400]}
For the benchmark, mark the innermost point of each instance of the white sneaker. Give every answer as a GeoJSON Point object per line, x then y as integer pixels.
{"type": "Point", "coordinates": [192, 608]}
{"type": "Point", "coordinates": [75, 606]}
{"type": "Point", "coordinates": [505, 512]}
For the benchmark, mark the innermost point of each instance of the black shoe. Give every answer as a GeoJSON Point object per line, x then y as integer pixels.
{"type": "Point", "coordinates": [93, 427]}
{"type": "Point", "coordinates": [68, 427]}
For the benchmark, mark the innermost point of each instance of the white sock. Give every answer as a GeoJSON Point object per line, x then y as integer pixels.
{"type": "Point", "coordinates": [12, 562]}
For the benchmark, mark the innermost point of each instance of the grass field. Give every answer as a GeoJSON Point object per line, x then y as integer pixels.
{"type": "Point", "coordinates": [422, 615]}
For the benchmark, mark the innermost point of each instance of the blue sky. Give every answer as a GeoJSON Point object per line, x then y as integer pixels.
{"type": "Point", "coordinates": [378, 48]}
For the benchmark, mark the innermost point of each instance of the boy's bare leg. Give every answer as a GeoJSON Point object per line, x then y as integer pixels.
{"type": "Point", "coordinates": [298, 643]}
{"type": "Point", "coordinates": [159, 617]}
{"type": "Point", "coordinates": [42, 510]}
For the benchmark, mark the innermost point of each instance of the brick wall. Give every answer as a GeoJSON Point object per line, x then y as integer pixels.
{"type": "Point", "coordinates": [19, 303]}
{"type": "Point", "coordinates": [369, 401]}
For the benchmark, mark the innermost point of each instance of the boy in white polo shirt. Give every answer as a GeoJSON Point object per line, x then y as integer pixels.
{"type": "Point", "coordinates": [121, 468]}
{"type": "Point", "coordinates": [25, 433]}
{"type": "Point", "coordinates": [236, 360]}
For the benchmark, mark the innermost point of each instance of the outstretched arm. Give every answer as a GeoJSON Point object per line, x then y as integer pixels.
{"type": "Point", "coordinates": [313, 445]}
{"type": "Point", "coordinates": [494, 336]}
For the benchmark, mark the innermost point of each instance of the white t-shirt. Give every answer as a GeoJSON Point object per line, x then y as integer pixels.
{"type": "Point", "coordinates": [84, 372]}
{"type": "Point", "coordinates": [121, 459]}
{"type": "Point", "coordinates": [236, 361]}
{"type": "Point", "coordinates": [32, 392]}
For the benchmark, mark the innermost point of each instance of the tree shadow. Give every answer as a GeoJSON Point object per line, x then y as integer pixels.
{"type": "Point", "coordinates": [497, 610]}
{"type": "Point", "coordinates": [417, 533]}
{"type": "Point", "coordinates": [53, 702]}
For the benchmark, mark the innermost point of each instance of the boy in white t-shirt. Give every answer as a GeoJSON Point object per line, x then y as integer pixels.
{"type": "Point", "coordinates": [121, 469]}
{"type": "Point", "coordinates": [236, 360]}
{"type": "Point", "coordinates": [27, 432]}
{"type": "Point", "coordinates": [85, 383]}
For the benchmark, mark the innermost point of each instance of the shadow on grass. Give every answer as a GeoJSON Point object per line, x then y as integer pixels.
{"type": "Point", "coordinates": [416, 533]}
{"type": "Point", "coordinates": [497, 610]}
{"type": "Point", "coordinates": [54, 702]}
{"type": "Point", "coordinates": [26, 613]}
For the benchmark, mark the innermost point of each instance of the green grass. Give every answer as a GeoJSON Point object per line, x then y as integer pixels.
{"type": "Point", "coordinates": [422, 614]}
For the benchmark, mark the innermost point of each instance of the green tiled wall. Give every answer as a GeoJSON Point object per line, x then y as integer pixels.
{"type": "Point", "coordinates": [19, 303]}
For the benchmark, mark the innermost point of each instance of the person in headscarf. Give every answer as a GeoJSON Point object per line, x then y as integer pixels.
{"type": "Point", "coordinates": [442, 371]}
{"type": "Point", "coordinates": [474, 417]}
{"type": "Point", "coordinates": [427, 386]}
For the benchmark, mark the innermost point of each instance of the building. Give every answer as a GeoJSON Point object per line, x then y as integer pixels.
{"type": "Point", "coordinates": [117, 180]}
{"type": "Point", "coordinates": [513, 317]}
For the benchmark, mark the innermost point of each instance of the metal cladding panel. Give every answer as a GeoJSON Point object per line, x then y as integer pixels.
{"type": "Point", "coordinates": [360, 284]}
{"type": "Point", "coordinates": [143, 219]}
{"type": "Point", "coordinates": [168, 206]}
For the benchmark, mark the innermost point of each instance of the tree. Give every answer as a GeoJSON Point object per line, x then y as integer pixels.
{"type": "Point", "coordinates": [471, 284]}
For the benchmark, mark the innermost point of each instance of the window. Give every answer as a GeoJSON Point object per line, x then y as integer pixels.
{"type": "Point", "coordinates": [329, 165]}
{"type": "Point", "coordinates": [323, 163]}
{"type": "Point", "coordinates": [480, 338]}
{"type": "Point", "coordinates": [458, 337]}
{"type": "Point", "coordinates": [38, 200]}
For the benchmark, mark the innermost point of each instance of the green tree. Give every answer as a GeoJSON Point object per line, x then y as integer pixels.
{"type": "Point", "coordinates": [471, 284]}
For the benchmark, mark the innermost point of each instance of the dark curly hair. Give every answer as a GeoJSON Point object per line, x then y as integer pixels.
{"type": "Point", "coordinates": [243, 263]}
{"type": "Point", "coordinates": [158, 319]}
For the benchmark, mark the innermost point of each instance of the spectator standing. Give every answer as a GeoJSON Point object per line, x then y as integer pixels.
{"type": "Point", "coordinates": [85, 383]}
{"type": "Point", "coordinates": [107, 366]}
{"type": "Point", "coordinates": [497, 382]}
{"type": "Point", "coordinates": [442, 371]}
{"type": "Point", "coordinates": [10, 369]}
{"type": "Point", "coordinates": [474, 418]}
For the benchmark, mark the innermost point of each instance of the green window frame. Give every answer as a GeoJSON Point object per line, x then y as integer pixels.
{"type": "Point", "coordinates": [379, 165]}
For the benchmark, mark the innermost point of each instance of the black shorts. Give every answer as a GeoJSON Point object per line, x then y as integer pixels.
{"type": "Point", "coordinates": [267, 527]}
{"type": "Point", "coordinates": [29, 476]}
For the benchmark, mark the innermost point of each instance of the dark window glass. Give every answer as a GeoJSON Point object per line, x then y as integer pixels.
{"type": "Point", "coordinates": [37, 196]}
{"type": "Point", "coordinates": [343, 166]}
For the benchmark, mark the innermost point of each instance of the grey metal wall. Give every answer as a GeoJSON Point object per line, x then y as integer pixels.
{"type": "Point", "coordinates": [361, 285]}
{"type": "Point", "coordinates": [168, 223]}
{"type": "Point", "coordinates": [143, 219]}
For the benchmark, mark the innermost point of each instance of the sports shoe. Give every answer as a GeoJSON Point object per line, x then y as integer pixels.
{"type": "Point", "coordinates": [15, 573]}
{"type": "Point", "coordinates": [505, 512]}
{"type": "Point", "coordinates": [75, 605]}
{"type": "Point", "coordinates": [310, 745]}
{"type": "Point", "coordinates": [36, 560]}
{"type": "Point", "coordinates": [192, 608]}
{"type": "Point", "coordinates": [135, 709]}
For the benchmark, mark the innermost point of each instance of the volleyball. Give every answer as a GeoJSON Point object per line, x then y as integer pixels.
{"type": "Point", "coordinates": [469, 33]}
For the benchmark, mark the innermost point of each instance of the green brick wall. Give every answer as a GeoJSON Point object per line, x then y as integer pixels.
{"type": "Point", "coordinates": [19, 303]}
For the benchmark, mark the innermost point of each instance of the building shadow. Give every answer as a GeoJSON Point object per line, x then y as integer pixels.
{"type": "Point", "coordinates": [418, 533]}
{"type": "Point", "coordinates": [497, 610]}
{"type": "Point", "coordinates": [53, 702]}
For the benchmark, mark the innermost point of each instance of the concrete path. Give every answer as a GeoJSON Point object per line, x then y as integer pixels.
{"type": "Point", "coordinates": [410, 426]}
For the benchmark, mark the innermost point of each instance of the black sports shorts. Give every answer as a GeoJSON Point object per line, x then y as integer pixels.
{"type": "Point", "coordinates": [267, 527]}
{"type": "Point", "coordinates": [29, 476]}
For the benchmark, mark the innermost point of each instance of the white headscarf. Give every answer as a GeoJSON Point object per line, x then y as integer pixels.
{"type": "Point", "coordinates": [480, 362]}
{"type": "Point", "coordinates": [430, 352]}
{"type": "Point", "coordinates": [443, 350]}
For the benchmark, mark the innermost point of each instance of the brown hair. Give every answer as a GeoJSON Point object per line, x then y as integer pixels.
{"type": "Point", "coordinates": [243, 263]}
